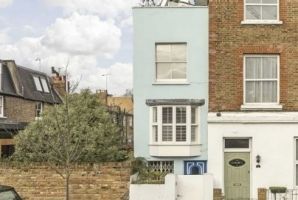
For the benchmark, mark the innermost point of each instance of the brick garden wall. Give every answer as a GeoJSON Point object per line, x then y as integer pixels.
{"type": "Point", "coordinates": [230, 40]}
{"type": "Point", "coordinates": [108, 181]}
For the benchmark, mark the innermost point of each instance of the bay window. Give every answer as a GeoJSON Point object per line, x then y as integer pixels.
{"type": "Point", "coordinates": [174, 124]}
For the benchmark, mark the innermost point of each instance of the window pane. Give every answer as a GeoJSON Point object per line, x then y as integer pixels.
{"type": "Point", "coordinates": [269, 67]}
{"type": "Point", "coordinates": [180, 115]}
{"type": "Point", "coordinates": [253, 92]}
{"type": "Point", "coordinates": [44, 85]}
{"type": "Point", "coordinates": [269, 91]}
{"type": "Point", "coordinates": [178, 70]}
{"type": "Point", "coordinates": [253, 66]}
{"type": "Point", "coordinates": [193, 115]}
{"type": "Point", "coordinates": [296, 174]}
{"type": "Point", "coordinates": [37, 83]}
{"type": "Point", "coordinates": [269, 1]}
{"type": "Point", "coordinates": [236, 143]}
{"type": "Point", "coordinates": [296, 149]}
{"type": "Point", "coordinates": [163, 52]}
{"type": "Point", "coordinates": [167, 115]}
{"type": "Point", "coordinates": [253, 1]}
{"type": "Point", "coordinates": [269, 12]}
{"type": "Point", "coordinates": [1, 106]}
{"type": "Point", "coordinates": [178, 52]}
{"type": "Point", "coordinates": [167, 133]}
{"type": "Point", "coordinates": [194, 133]}
{"type": "Point", "coordinates": [180, 133]}
{"type": "Point", "coordinates": [253, 12]}
{"type": "Point", "coordinates": [38, 109]}
{"type": "Point", "coordinates": [164, 71]}
{"type": "Point", "coordinates": [155, 133]}
{"type": "Point", "coordinates": [154, 114]}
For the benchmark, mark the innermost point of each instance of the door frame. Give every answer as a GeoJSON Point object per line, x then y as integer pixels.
{"type": "Point", "coordinates": [238, 150]}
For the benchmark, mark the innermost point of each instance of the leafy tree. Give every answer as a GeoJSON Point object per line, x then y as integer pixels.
{"type": "Point", "coordinates": [79, 130]}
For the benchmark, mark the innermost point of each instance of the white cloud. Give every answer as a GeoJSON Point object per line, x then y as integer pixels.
{"type": "Point", "coordinates": [80, 38]}
{"type": "Point", "coordinates": [120, 78]}
{"type": "Point", "coordinates": [83, 35]}
{"type": "Point", "coordinates": [5, 3]}
{"type": "Point", "coordinates": [103, 8]}
{"type": "Point", "coordinates": [4, 36]}
{"type": "Point", "coordinates": [82, 68]}
{"type": "Point", "coordinates": [126, 22]}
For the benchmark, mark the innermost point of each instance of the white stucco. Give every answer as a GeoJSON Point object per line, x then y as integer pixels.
{"type": "Point", "coordinates": [176, 187]}
{"type": "Point", "coordinates": [272, 137]}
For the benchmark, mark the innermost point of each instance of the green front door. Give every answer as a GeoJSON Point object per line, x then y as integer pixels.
{"type": "Point", "coordinates": [237, 176]}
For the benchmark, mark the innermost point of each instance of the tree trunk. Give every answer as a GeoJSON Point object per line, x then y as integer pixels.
{"type": "Point", "coordinates": [67, 187]}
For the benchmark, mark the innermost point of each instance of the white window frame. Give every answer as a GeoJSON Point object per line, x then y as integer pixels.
{"type": "Point", "coordinates": [44, 84]}
{"type": "Point", "coordinates": [188, 126]}
{"type": "Point", "coordinates": [1, 106]}
{"type": "Point", "coordinates": [170, 81]}
{"type": "Point", "coordinates": [1, 66]}
{"type": "Point", "coordinates": [41, 110]}
{"type": "Point", "coordinates": [295, 162]}
{"type": "Point", "coordinates": [36, 80]}
{"type": "Point", "coordinates": [261, 21]}
{"type": "Point", "coordinates": [264, 105]}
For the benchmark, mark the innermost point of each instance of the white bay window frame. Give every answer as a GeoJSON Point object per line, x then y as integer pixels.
{"type": "Point", "coordinates": [261, 105]}
{"type": "Point", "coordinates": [261, 21]}
{"type": "Point", "coordinates": [296, 162]}
{"type": "Point", "coordinates": [158, 139]}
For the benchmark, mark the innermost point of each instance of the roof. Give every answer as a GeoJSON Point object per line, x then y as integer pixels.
{"type": "Point", "coordinates": [5, 188]}
{"type": "Point", "coordinates": [18, 81]}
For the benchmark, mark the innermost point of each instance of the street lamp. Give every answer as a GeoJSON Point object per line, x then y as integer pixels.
{"type": "Point", "coordinates": [106, 75]}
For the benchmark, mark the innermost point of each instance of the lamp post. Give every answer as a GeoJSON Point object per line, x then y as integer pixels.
{"type": "Point", "coordinates": [106, 75]}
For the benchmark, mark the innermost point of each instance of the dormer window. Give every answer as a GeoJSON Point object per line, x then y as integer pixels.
{"type": "Point", "coordinates": [41, 84]}
{"type": "Point", "coordinates": [45, 85]}
{"type": "Point", "coordinates": [37, 83]}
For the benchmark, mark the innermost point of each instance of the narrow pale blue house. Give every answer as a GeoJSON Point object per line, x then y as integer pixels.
{"type": "Point", "coordinates": [171, 87]}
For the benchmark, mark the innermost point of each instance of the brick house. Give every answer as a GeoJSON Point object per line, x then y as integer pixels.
{"type": "Point", "coordinates": [253, 92]}
{"type": "Point", "coordinates": [23, 95]}
{"type": "Point", "coordinates": [121, 109]}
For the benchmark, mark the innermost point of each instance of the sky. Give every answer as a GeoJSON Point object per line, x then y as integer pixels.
{"type": "Point", "coordinates": [92, 37]}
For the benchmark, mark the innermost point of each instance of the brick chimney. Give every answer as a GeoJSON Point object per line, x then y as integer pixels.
{"type": "Point", "coordinates": [103, 96]}
{"type": "Point", "coordinates": [59, 82]}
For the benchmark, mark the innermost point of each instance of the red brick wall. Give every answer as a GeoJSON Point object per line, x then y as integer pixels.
{"type": "Point", "coordinates": [107, 181]}
{"type": "Point", "coordinates": [230, 40]}
{"type": "Point", "coordinates": [19, 110]}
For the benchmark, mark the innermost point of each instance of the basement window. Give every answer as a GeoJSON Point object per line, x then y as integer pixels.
{"type": "Point", "coordinates": [7, 150]}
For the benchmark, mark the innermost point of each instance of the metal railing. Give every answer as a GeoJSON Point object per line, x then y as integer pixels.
{"type": "Point", "coordinates": [288, 195]}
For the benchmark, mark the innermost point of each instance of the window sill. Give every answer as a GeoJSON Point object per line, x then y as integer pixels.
{"type": "Point", "coordinates": [175, 150]}
{"type": "Point", "coordinates": [256, 22]}
{"type": "Point", "coordinates": [3, 117]}
{"type": "Point", "coordinates": [171, 83]}
{"type": "Point", "coordinates": [261, 107]}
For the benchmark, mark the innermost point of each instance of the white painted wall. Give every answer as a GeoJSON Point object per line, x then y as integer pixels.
{"type": "Point", "coordinates": [272, 137]}
{"type": "Point", "coordinates": [176, 187]}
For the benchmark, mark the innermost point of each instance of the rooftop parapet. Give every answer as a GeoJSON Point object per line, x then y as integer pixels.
{"type": "Point", "coordinates": [173, 3]}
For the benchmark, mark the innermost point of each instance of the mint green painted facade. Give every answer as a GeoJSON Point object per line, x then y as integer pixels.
{"type": "Point", "coordinates": [169, 25]}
